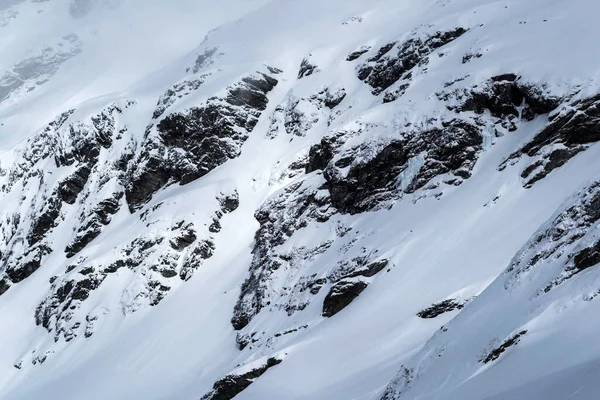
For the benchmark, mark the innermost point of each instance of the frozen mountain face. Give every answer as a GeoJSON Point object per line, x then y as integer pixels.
{"type": "Point", "coordinates": [315, 200]}
{"type": "Point", "coordinates": [550, 276]}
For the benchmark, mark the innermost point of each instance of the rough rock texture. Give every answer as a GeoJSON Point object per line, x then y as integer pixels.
{"type": "Point", "coordinates": [73, 175]}
{"type": "Point", "coordinates": [297, 116]}
{"type": "Point", "coordinates": [92, 223]}
{"type": "Point", "coordinates": [357, 186]}
{"type": "Point", "coordinates": [114, 207]}
{"type": "Point", "coordinates": [282, 278]}
{"type": "Point", "coordinates": [421, 159]}
{"type": "Point", "coordinates": [497, 352]}
{"type": "Point", "coordinates": [572, 129]}
{"type": "Point", "coordinates": [306, 69]}
{"type": "Point", "coordinates": [387, 67]}
{"type": "Point", "coordinates": [442, 307]}
{"type": "Point", "coordinates": [559, 238]}
{"type": "Point", "coordinates": [185, 146]}
{"type": "Point", "coordinates": [341, 295]}
{"type": "Point", "coordinates": [280, 216]}
{"type": "Point", "coordinates": [355, 55]}
{"type": "Point", "coordinates": [231, 385]}
{"type": "Point", "coordinates": [155, 261]}
{"type": "Point", "coordinates": [506, 95]}
{"type": "Point", "coordinates": [74, 146]}
{"type": "Point", "coordinates": [364, 177]}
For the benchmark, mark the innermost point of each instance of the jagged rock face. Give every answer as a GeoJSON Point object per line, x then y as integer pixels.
{"type": "Point", "coordinates": [341, 295]}
{"type": "Point", "coordinates": [298, 116]}
{"type": "Point", "coordinates": [560, 238]}
{"type": "Point", "coordinates": [320, 155]}
{"type": "Point", "coordinates": [80, 169]}
{"type": "Point", "coordinates": [372, 199]}
{"type": "Point", "coordinates": [306, 69]}
{"type": "Point", "coordinates": [364, 177]}
{"type": "Point", "coordinates": [75, 146]}
{"type": "Point", "coordinates": [232, 385]}
{"type": "Point", "coordinates": [280, 217]}
{"type": "Point", "coordinates": [205, 59]}
{"type": "Point", "coordinates": [156, 261]}
{"type": "Point", "coordinates": [356, 187]}
{"type": "Point", "coordinates": [186, 146]}
{"type": "Point", "coordinates": [92, 224]}
{"type": "Point", "coordinates": [421, 159]}
{"type": "Point", "coordinates": [572, 129]}
{"type": "Point", "coordinates": [178, 91]}
{"type": "Point", "coordinates": [437, 309]}
{"type": "Point", "coordinates": [497, 352]}
{"type": "Point", "coordinates": [157, 264]}
{"type": "Point", "coordinates": [505, 95]}
{"type": "Point", "coordinates": [282, 279]}
{"type": "Point", "coordinates": [386, 68]}
{"type": "Point", "coordinates": [355, 55]}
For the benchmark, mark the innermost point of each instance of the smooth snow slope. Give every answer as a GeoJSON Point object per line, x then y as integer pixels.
{"type": "Point", "coordinates": [447, 242]}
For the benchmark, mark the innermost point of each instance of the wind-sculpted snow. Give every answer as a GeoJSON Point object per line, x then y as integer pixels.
{"type": "Point", "coordinates": [553, 273]}
{"type": "Point", "coordinates": [298, 200]}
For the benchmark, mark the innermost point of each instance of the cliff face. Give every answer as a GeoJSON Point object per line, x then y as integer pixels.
{"type": "Point", "coordinates": [317, 200]}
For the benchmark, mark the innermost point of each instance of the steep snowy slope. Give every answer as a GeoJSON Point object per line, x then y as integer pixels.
{"type": "Point", "coordinates": [317, 200]}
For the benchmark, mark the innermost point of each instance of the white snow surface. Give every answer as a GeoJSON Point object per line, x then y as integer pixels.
{"type": "Point", "coordinates": [458, 244]}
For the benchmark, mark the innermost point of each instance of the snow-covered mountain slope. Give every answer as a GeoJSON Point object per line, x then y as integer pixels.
{"type": "Point", "coordinates": [299, 200]}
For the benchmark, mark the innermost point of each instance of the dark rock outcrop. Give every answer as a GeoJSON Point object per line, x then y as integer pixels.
{"type": "Point", "coordinates": [4, 286]}
{"type": "Point", "coordinates": [183, 239]}
{"type": "Point", "coordinates": [279, 217]}
{"type": "Point", "coordinates": [24, 266]}
{"type": "Point", "coordinates": [75, 145]}
{"type": "Point", "coordinates": [188, 145]}
{"type": "Point", "coordinates": [205, 59]}
{"type": "Point", "coordinates": [560, 237]}
{"type": "Point", "coordinates": [497, 352]}
{"type": "Point", "coordinates": [386, 68]}
{"type": "Point", "coordinates": [306, 69]}
{"type": "Point", "coordinates": [355, 55]}
{"type": "Point", "coordinates": [55, 312]}
{"type": "Point", "coordinates": [45, 220]}
{"type": "Point", "coordinates": [320, 155]}
{"type": "Point", "coordinates": [176, 92]}
{"type": "Point", "coordinates": [452, 149]}
{"type": "Point", "coordinates": [445, 306]}
{"type": "Point", "coordinates": [571, 130]}
{"type": "Point", "coordinates": [70, 188]}
{"type": "Point", "coordinates": [231, 385]}
{"type": "Point", "coordinates": [341, 295]}
{"type": "Point", "coordinates": [92, 224]}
